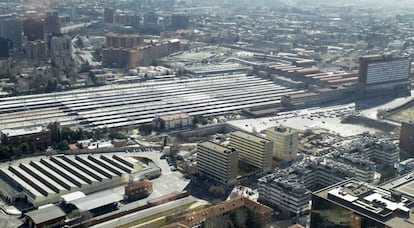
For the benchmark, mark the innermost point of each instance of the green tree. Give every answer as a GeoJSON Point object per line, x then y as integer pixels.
{"type": "Point", "coordinates": [63, 145]}
{"type": "Point", "coordinates": [25, 148]}
{"type": "Point", "coordinates": [68, 134]}
{"type": "Point", "coordinates": [146, 129]}
{"type": "Point", "coordinates": [116, 135]}
{"type": "Point", "coordinates": [4, 152]}
{"type": "Point", "coordinates": [51, 86]}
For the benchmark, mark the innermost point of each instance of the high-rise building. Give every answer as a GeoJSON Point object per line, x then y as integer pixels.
{"type": "Point", "coordinates": [285, 142]}
{"type": "Point", "coordinates": [123, 40]}
{"type": "Point", "coordinates": [35, 51]}
{"type": "Point", "coordinates": [33, 29]}
{"type": "Point", "coordinates": [5, 47]}
{"type": "Point", "coordinates": [108, 15]}
{"type": "Point", "coordinates": [150, 18]}
{"type": "Point", "coordinates": [128, 18]}
{"type": "Point", "coordinates": [407, 136]}
{"type": "Point", "coordinates": [382, 74]}
{"type": "Point", "coordinates": [179, 21]}
{"type": "Point", "coordinates": [217, 162]}
{"type": "Point", "coordinates": [52, 22]}
{"type": "Point", "coordinates": [11, 28]}
{"type": "Point", "coordinates": [253, 150]}
{"type": "Point", "coordinates": [353, 203]}
{"type": "Point", "coordinates": [61, 50]}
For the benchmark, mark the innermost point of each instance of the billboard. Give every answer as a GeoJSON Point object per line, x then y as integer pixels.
{"type": "Point", "coordinates": [387, 71]}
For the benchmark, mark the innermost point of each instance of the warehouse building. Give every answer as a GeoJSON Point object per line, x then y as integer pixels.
{"type": "Point", "coordinates": [45, 180]}
{"type": "Point", "coordinates": [133, 104]}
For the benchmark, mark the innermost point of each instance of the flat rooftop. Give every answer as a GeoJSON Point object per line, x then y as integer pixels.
{"type": "Point", "coordinates": [383, 206]}
{"type": "Point", "coordinates": [215, 147]}
{"type": "Point", "coordinates": [250, 137]}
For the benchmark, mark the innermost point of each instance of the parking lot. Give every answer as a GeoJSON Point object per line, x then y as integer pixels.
{"type": "Point", "coordinates": [328, 118]}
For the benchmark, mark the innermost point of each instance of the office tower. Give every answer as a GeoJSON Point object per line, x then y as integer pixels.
{"type": "Point", "coordinates": [407, 136]}
{"type": "Point", "coordinates": [217, 162]}
{"type": "Point", "coordinates": [285, 142]}
{"type": "Point", "coordinates": [11, 28]}
{"type": "Point", "coordinates": [33, 29]}
{"type": "Point", "coordinates": [52, 22]}
{"type": "Point", "coordinates": [382, 75]}
{"type": "Point", "coordinates": [253, 150]}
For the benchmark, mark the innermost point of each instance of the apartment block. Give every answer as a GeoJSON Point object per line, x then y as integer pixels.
{"type": "Point", "coordinates": [252, 149]}
{"type": "Point", "coordinates": [285, 142]}
{"type": "Point", "coordinates": [217, 162]}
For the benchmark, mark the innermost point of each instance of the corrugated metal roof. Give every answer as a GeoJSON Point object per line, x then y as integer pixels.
{"type": "Point", "coordinates": [45, 214]}
{"type": "Point", "coordinates": [72, 196]}
{"type": "Point", "coordinates": [96, 200]}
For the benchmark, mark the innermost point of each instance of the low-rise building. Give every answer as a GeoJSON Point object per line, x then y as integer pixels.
{"type": "Point", "coordinates": [138, 190]}
{"type": "Point", "coordinates": [260, 214]}
{"type": "Point", "coordinates": [353, 203]}
{"type": "Point", "coordinates": [37, 138]}
{"type": "Point", "coordinates": [173, 121]}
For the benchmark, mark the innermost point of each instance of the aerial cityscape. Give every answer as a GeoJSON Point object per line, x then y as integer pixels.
{"type": "Point", "coordinates": [192, 113]}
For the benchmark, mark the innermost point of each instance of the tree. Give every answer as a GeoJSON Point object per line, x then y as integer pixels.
{"type": "Point", "coordinates": [25, 148]}
{"type": "Point", "coordinates": [4, 152]}
{"type": "Point", "coordinates": [51, 86]}
{"type": "Point", "coordinates": [63, 145]}
{"type": "Point", "coordinates": [116, 135]}
{"type": "Point", "coordinates": [80, 135]}
{"type": "Point", "coordinates": [146, 129]}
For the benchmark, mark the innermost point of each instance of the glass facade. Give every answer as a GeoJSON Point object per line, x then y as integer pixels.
{"type": "Point", "coordinates": [325, 214]}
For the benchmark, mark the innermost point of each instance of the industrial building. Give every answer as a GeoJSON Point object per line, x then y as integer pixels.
{"type": "Point", "coordinates": [217, 162]}
{"type": "Point", "coordinates": [45, 180]}
{"type": "Point", "coordinates": [285, 142]}
{"type": "Point", "coordinates": [138, 56]}
{"type": "Point", "coordinates": [37, 138]}
{"type": "Point", "coordinates": [121, 105]}
{"type": "Point", "coordinates": [138, 189]}
{"type": "Point", "coordinates": [352, 203]}
{"type": "Point", "coordinates": [252, 149]}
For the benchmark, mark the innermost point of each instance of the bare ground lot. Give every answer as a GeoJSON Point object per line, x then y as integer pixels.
{"type": "Point", "coordinates": [402, 114]}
